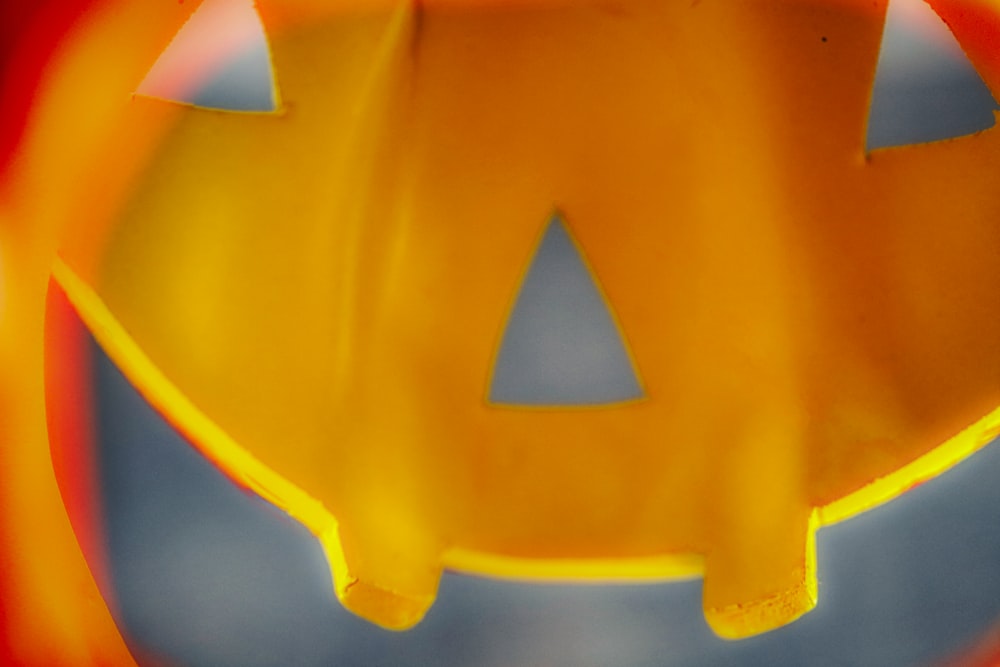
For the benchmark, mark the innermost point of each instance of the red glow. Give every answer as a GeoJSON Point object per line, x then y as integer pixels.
{"type": "Point", "coordinates": [30, 33]}
{"type": "Point", "coordinates": [71, 429]}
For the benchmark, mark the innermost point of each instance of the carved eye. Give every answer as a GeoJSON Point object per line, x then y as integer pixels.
{"type": "Point", "coordinates": [218, 60]}
{"type": "Point", "coordinates": [926, 89]}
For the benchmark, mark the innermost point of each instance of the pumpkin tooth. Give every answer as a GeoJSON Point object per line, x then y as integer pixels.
{"type": "Point", "coordinates": [760, 570]}
{"type": "Point", "coordinates": [780, 586]}
{"type": "Point", "coordinates": [385, 570]}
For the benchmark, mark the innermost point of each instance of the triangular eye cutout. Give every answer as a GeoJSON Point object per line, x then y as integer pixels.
{"type": "Point", "coordinates": [218, 60]}
{"type": "Point", "coordinates": [562, 346]}
{"type": "Point", "coordinates": [925, 87]}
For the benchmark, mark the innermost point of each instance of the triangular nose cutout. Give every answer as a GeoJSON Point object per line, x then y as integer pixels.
{"type": "Point", "coordinates": [925, 87]}
{"type": "Point", "coordinates": [218, 60]}
{"type": "Point", "coordinates": [562, 346]}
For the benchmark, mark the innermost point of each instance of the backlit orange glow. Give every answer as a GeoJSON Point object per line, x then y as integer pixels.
{"type": "Point", "coordinates": [325, 287]}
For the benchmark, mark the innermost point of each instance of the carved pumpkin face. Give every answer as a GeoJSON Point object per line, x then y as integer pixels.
{"type": "Point", "coordinates": [320, 297]}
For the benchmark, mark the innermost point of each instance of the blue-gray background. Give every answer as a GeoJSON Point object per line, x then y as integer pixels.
{"type": "Point", "coordinates": [208, 575]}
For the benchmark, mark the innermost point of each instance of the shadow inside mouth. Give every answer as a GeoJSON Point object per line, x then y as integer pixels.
{"type": "Point", "coordinates": [207, 574]}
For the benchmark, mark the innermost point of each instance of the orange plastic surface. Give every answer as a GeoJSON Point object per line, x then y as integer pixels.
{"type": "Point", "coordinates": [316, 295]}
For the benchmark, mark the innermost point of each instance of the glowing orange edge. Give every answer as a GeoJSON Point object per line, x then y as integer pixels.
{"type": "Point", "coordinates": [212, 441]}
{"type": "Point", "coordinates": [246, 470]}
{"type": "Point", "coordinates": [966, 443]}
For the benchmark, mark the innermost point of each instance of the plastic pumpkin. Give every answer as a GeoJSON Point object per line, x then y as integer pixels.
{"type": "Point", "coordinates": [318, 296]}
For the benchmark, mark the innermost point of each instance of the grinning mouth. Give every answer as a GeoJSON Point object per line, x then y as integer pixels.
{"type": "Point", "coordinates": [200, 572]}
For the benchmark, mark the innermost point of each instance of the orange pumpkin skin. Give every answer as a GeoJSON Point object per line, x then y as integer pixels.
{"type": "Point", "coordinates": [51, 612]}
{"type": "Point", "coordinates": [807, 333]}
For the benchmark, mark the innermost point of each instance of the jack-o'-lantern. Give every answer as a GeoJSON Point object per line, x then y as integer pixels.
{"type": "Point", "coordinates": [322, 297]}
